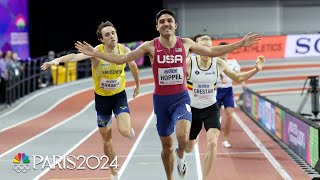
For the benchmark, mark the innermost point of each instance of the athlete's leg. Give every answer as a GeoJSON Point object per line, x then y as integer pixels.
{"type": "Point", "coordinates": [191, 145]}
{"type": "Point", "coordinates": [228, 103]}
{"type": "Point", "coordinates": [165, 128]}
{"type": "Point", "coordinates": [182, 134]}
{"type": "Point", "coordinates": [121, 111]}
{"type": "Point", "coordinates": [167, 155]}
{"type": "Point", "coordinates": [103, 106]}
{"type": "Point", "coordinates": [169, 110]}
{"type": "Point", "coordinates": [212, 139]}
{"type": "Point", "coordinates": [212, 125]}
{"type": "Point", "coordinates": [196, 126]}
{"type": "Point", "coordinates": [124, 125]}
{"type": "Point", "coordinates": [106, 135]}
{"type": "Point", "coordinates": [181, 115]}
{"type": "Point", "coordinates": [228, 122]}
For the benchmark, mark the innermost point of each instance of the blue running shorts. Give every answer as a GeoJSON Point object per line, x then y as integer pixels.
{"type": "Point", "coordinates": [169, 109]}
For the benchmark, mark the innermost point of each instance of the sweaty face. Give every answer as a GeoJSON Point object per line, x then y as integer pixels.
{"type": "Point", "coordinates": [109, 36]}
{"type": "Point", "coordinates": [166, 25]}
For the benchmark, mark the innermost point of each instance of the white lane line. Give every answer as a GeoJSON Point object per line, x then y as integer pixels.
{"type": "Point", "coordinates": [265, 151]}
{"type": "Point", "coordinates": [37, 94]}
{"type": "Point", "coordinates": [46, 111]}
{"type": "Point", "coordinates": [136, 143]}
{"type": "Point", "coordinates": [48, 130]}
{"type": "Point", "coordinates": [68, 152]}
{"type": "Point", "coordinates": [134, 147]}
{"type": "Point", "coordinates": [198, 161]}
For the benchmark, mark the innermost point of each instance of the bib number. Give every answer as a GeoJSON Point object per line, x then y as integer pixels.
{"type": "Point", "coordinates": [109, 84]}
{"type": "Point", "coordinates": [203, 90]}
{"type": "Point", "coordinates": [170, 76]}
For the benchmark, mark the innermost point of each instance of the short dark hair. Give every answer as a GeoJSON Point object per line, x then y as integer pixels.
{"type": "Point", "coordinates": [197, 36]}
{"type": "Point", "coordinates": [101, 26]}
{"type": "Point", "coordinates": [223, 43]}
{"type": "Point", "coordinates": [165, 11]}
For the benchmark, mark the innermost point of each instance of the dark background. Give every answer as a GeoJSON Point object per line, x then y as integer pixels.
{"type": "Point", "coordinates": [58, 24]}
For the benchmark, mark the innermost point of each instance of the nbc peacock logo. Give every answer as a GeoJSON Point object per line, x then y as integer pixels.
{"type": "Point", "coordinates": [20, 21]}
{"type": "Point", "coordinates": [21, 163]}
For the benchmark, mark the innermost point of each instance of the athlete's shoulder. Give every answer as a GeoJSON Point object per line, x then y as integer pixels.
{"type": "Point", "coordinates": [187, 40]}
{"type": "Point", "coordinates": [124, 47]}
{"type": "Point", "coordinates": [99, 47]}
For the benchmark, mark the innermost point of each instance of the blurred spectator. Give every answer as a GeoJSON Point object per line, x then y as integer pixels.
{"type": "Point", "coordinates": [45, 76]}
{"type": "Point", "coordinates": [4, 74]}
{"type": "Point", "coordinates": [0, 70]}
{"type": "Point", "coordinates": [15, 67]}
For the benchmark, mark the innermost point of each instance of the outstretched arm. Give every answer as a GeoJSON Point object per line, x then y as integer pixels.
{"type": "Point", "coordinates": [215, 51]}
{"type": "Point", "coordinates": [242, 76]}
{"type": "Point", "coordinates": [87, 49]}
{"type": "Point", "coordinates": [66, 58]}
{"type": "Point", "coordinates": [243, 83]}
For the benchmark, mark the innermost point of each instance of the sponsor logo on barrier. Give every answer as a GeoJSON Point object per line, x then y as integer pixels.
{"type": "Point", "coordinates": [303, 45]}
{"type": "Point", "coordinates": [296, 135]}
{"type": "Point", "coordinates": [269, 46]}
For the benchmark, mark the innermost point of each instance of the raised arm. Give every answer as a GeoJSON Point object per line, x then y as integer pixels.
{"type": "Point", "coordinates": [87, 49]}
{"type": "Point", "coordinates": [66, 58]}
{"type": "Point", "coordinates": [241, 76]}
{"type": "Point", "coordinates": [238, 70]}
{"type": "Point", "coordinates": [215, 51]}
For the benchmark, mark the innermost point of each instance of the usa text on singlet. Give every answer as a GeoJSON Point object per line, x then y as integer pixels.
{"type": "Point", "coordinates": [169, 68]}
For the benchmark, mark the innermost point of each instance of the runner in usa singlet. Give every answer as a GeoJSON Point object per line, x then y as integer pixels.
{"type": "Point", "coordinates": [171, 99]}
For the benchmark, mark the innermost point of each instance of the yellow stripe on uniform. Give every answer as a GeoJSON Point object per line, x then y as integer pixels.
{"type": "Point", "coordinates": [189, 85]}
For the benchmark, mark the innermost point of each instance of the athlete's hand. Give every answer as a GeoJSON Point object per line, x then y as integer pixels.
{"type": "Point", "coordinates": [135, 92]}
{"type": "Point", "coordinates": [259, 62]}
{"type": "Point", "coordinates": [84, 48]}
{"type": "Point", "coordinates": [46, 65]}
{"type": "Point", "coordinates": [249, 39]}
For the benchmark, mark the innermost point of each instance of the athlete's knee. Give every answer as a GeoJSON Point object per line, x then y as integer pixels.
{"type": "Point", "coordinates": [183, 139]}
{"type": "Point", "coordinates": [212, 145]}
{"type": "Point", "coordinates": [229, 115]}
{"type": "Point", "coordinates": [167, 149]}
{"type": "Point", "coordinates": [106, 133]}
{"type": "Point", "coordinates": [107, 140]}
{"type": "Point", "coordinates": [189, 147]}
{"type": "Point", "coordinates": [125, 131]}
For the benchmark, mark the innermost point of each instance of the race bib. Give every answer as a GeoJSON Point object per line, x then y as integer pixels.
{"type": "Point", "coordinates": [109, 84]}
{"type": "Point", "coordinates": [203, 90]}
{"type": "Point", "coordinates": [170, 76]}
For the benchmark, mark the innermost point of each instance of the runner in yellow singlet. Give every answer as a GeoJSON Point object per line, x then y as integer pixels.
{"type": "Point", "coordinates": [109, 87]}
